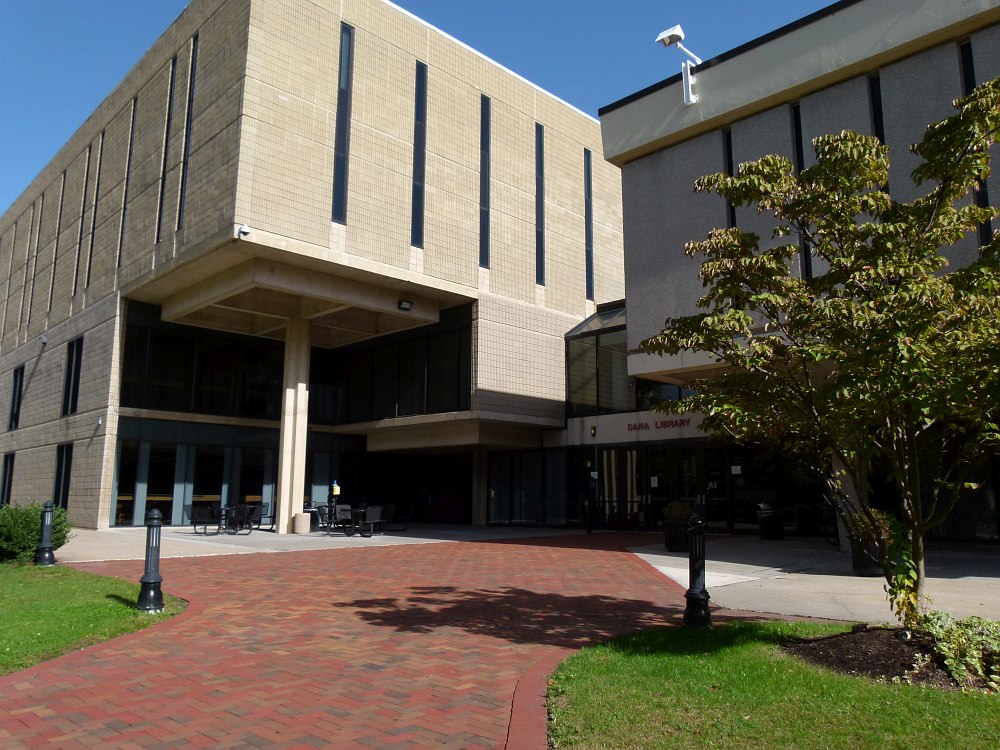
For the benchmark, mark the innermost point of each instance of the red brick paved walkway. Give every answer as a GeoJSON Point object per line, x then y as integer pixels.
{"type": "Point", "coordinates": [389, 647]}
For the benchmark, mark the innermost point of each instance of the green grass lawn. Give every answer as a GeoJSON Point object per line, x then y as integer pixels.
{"type": "Point", "coordinates": [45, 612]}
{"type": "Point", "coordinates": [731, 687]}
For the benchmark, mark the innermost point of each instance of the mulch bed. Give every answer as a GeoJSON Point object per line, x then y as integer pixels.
{"type": "Point", "coordinates": [878, 653]}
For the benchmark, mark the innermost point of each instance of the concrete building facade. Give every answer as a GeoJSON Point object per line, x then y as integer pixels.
{"type": "Point", "coordinates": [300, 242]}
{"type": "Point", "coordinates": [878, 67]}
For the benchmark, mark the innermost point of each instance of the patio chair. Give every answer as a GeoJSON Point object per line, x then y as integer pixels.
{"type": "Point", "coordinates": [372, 520]}
{"type": "Point", "coordinates": [261, 516]}
{"type": "Point", "coordinates": [342, 519]}
{"type": "Point", "coordinates": [238, 518]}
{"type": "Point", "coordinates": [393, 520]}
{"type": "Point", "coordinates": [204, 515]}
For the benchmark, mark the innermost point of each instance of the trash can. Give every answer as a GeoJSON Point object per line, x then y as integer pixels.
{"type": "Point", "coordinates": [301, 522]}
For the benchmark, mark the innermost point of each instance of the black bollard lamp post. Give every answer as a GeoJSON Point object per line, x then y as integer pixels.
{"type": "Point", "coordinates": [150, 597]}
{"type": "Point", "coordinates": [44, 555]}
{"type": "Point", "coordinates": [696, 613]}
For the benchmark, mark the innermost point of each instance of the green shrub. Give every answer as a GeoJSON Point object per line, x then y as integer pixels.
{"type": "Point", "coordinates": [21, 531]}
{"type": "Point", "coordinates": [970, 647]}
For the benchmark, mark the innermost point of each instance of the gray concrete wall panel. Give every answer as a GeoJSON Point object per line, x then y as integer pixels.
{"type": "Point", "coordinates": [769, 132]}
{"type": "Point", "coordinates": [662, 213]}
{"type": "Point", "coordinates": [915, 93]}
{"type": "Point", "coordinates": [842, 107]}
{"type": "Point", "coordinates": [986, 60]}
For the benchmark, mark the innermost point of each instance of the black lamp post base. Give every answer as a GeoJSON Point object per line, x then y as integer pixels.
{"type": "Point", "coordinates": [45, 557]}
{"type": "Point", "coordinates": [696, 613]}
{"type": "Point", "coordinates": [150, 596]}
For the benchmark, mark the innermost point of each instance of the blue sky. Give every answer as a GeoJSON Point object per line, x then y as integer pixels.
{"type": "Point", "coordinates": [60, 58]}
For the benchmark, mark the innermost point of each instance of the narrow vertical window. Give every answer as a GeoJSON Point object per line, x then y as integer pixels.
{"type": "Point", "coordinates": [34, 258]}
{"type": "Point", "coordinates": [588, 223]}
{"type": "Point", "coordinates": [342, 136]}
{"type": "Point", "coordinates": [6, 478]}
{"type": "Point", "coordinates": [727, 135]}
{"type": "Point", "coordinates": [484, 181]}
{"type": "Point", "coordinates": [800, 153]}
{"type": "Point", "coordinates": [71, 379]}
{"type": "Point", "coordinates": [16, 390]}
{"type": "Point", "coordinates": [539, 203]}
{"type": "Point", "coordinates": [805, 254]}
{"type": "Point", "coordinates": [55, 247]}
{"type": "Point", "coordinates": [419, 156]}
{"type": "Point", "coordinates": [83, 210]}
{"type": "Point", "coordinates": [166, 146]}
{"type": "Point", "coordinates": [24, 276]}
{"type": "Point", "coordinates": [982, 195]}
{"type": "Point", "coordinates": [128, 173]}
{"type": "Point", "coordinates": [875, 97]}
{"type": "Point", "coordinates": [10, 272]}
{"type": "Point", "coordinates": [64, 463]}
{"type": "Point", "coordinates": [188, 122]}
{"type": "Point", "coordinates": [93, 213]}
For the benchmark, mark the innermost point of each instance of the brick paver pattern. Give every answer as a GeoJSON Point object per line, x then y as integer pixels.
{"type": "Point", "coordinates": [385, 647]}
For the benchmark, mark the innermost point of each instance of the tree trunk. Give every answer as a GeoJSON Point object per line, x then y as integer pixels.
{"type": "Point", "coordinates": [917, 552]}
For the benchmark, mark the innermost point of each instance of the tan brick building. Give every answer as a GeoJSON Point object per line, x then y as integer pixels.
{"type": "Point", "coordinates": [302, 242]}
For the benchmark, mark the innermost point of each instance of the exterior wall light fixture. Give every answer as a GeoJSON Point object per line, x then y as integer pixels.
{"type": "Point", "coordinates": [405, 305]}
{"type": "Point", "coordinates": [673, 37]}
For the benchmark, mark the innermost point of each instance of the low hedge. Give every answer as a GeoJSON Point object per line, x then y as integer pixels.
{"type": "Point", "coordinates": [21, 531]}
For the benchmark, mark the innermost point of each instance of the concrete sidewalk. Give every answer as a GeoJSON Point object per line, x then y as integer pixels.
{"type": "Point", "coordinates": [129, 543]}
{"type": "Point", "coordinates": [808, 577]}
{"type": "Point", "coordinates": [795, 576]}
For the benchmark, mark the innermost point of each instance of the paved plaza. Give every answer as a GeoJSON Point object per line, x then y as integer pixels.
{"type": "Point", "coordinates": [431, 638]}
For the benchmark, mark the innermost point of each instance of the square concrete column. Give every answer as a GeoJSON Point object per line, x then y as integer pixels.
{"type": "Point", "coordinates": [294, 426]}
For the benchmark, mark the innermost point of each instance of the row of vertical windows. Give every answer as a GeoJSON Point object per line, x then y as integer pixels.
{"type": "Point", "coordinates": [341, 151]}
{"type": "Point", "coordinates": [342, 135]}
{"type": "Point", "coordinates": [423, 371]}
{"type": "Point", "coordinates": [32, 258]}
{"type": "Point", "coordinates": [178, 368]}
{"type": "Point", "coordinates": [60, 488]}
{"type": "Point", "coordinates": [64, 453]}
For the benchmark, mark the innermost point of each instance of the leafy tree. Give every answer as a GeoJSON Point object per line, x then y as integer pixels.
{"type": "Point", "coordinates": [886, 358]}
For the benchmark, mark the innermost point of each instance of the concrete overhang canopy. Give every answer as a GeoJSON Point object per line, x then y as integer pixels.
{"type": "Point", "coordinates": [258, 296]}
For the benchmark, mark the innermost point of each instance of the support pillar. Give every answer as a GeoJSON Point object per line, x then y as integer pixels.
{"type": "Point", "coordinates": [294, 426]}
